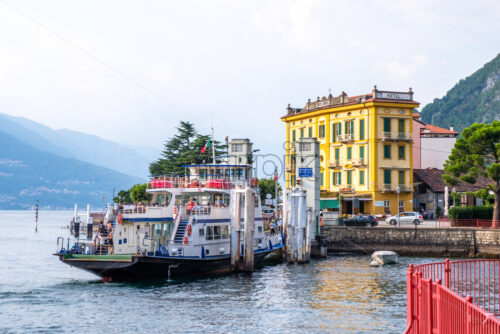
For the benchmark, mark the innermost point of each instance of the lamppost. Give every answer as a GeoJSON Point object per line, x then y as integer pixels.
{"type": "Point", "coordinates": [454, 191]}
{"type": "Point", "coordinates": [398, 190]}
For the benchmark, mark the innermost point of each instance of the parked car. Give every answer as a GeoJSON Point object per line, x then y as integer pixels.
{"type": "Point", "coordinates": [361, 220]}
{"type": "Point", "coordinates": [405, 218]}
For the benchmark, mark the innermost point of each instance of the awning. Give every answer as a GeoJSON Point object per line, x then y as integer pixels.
{"type": "Point", "coordinates": [329, 204]}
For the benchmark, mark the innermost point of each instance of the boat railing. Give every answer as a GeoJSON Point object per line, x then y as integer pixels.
{"type": "Point", "coordinates": [201, 210]}
{"type": "Point", "coordinates": [198, 181]}
{"type": "Point", "coordinates": [131, 209]}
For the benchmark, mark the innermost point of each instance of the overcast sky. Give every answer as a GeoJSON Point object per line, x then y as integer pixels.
{"type": "Point", "coordinates": [130, 70]}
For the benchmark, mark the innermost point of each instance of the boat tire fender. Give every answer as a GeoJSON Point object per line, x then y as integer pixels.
{"type": "Point", "coordinates": [189, 230]}
{"type": "Point", "coordinates": [185, 240]}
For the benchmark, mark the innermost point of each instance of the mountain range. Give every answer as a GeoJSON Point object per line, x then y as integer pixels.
{"type": "Point", "coordinates": [473, 99]}
{"type": "Point", "coordinates": [63, 167]}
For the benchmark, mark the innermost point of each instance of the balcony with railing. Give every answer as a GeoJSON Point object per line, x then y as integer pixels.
{"type": "Point", "coordinates": [396, 136]}
{"type": "Point", "coordinates": [359, 162]}
{"type": "Point", "coordinates": [334, 164]}
{"type": "Point", "coordinates": [346, 138]}
{"type": "Point", "coordinates": [390, 188]}
{"type": "Point", "coordinates": [347, 189]}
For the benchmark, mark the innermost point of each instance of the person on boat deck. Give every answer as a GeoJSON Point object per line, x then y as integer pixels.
{"type": "Point", "coordinates": [219, 202]}
{"type": "Point", "coordinates": [110, 240]}
{"type": "Point", "coordinates": [196, 205]}
{"type": "Point", "coordinates": [189, 205]}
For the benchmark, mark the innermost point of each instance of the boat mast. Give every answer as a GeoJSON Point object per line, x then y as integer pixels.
{"type": "Point", "coordinates": [213, 141]}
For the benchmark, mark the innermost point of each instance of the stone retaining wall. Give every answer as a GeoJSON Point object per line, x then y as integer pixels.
{"type": "Point", "coordinates": [452, 242]}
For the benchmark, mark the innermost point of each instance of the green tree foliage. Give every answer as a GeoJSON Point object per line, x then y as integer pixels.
{"type": "Point", "coordinates": [184, 148]}
{"type": "Point", "coordinates": [471, 212]}
{"type": "Point", "coordinates": [138, 193]}
{"type": "Point", "coordinates": [123, 197]}
{"type": "Point", "coordinates": [475, 154]}
{"type": "Point", "coordinates": [473, 99]}
{"type": "Point", "coordinates": [267, 186]}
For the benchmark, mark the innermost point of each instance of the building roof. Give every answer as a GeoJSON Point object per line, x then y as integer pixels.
{"type": "Point", "coordinates": [433, 178]}
{"type": "Point", "coordinates": [432, 129]}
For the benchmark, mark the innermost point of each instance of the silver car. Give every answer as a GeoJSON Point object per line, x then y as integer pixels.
{"type": "Point", "coordinates": [405, 218]}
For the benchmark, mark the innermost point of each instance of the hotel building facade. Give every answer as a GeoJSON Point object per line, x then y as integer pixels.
{"type": "Point", "coordinates": [366, 150]}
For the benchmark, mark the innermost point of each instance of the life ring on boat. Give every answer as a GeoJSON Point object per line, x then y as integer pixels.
{"type": "Point", "coordinates": [189, 229]}
{"type": "Point", "coordinates": [119, 218]}
{"type": "Point", "coordinates": [185, 240]}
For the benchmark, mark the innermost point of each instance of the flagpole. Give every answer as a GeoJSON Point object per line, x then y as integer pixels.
{"type": "Point", "coordinates": [213, 141]}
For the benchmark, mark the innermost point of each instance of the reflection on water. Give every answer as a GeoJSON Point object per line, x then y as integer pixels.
{"type": "Point", "coordinates": [342, 294]}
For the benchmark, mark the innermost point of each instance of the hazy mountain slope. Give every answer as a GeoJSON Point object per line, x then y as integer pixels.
{"type": "Point", "coordinates": [91, 149]}
{"type": "Point", "coordinates": [28, 174]}
{"type": "Point", "coordinates": [473, 99]}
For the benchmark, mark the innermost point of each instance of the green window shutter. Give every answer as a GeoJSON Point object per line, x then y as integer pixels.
{"type": "Point", "coordinates": [293, 135]}
{"type": "Point", "coordinates": [346, 127]}
{"type": "Point", "coordinates": [361, 177]}
{"type": "Point", "coordinates": [334, 138]}
{"type": "Point", "coordinates": [401, 177]}
{"type": "Point", "coordinates": [339, 180]}
{"type": "Point", "coordinates": [301, 132]}
{"type": "Point", "coordinates": [322, 131]}
{"type": "Point", "coordinates": [321, 178]}
{"type": "Point", "coordinates": [349, 153]}
{"type": "Point", "coordinates": [339, 129]}
{"type": "Point", "coordinates": [337, 153]}
{"type": "Point", "coordinates": [310, 131]}
{"type": "Point", "coordinates": [387, 176]}
{"type": "Point", "coordinates": [334, 180]}
{"type": "Point", "coordinates": [349, 177]}
{"type": "Point", "coordinates": [401, 152]}
{"type": "Point", "coordinates": [401, 126]}
{"type": "Point", "coordinates": [361, 152]}
{"type": "Point", "coordinates": [352, 128]}
{"type": "Point", "coordinates": [387, 151]}
{"type": "Point", "coordinates": [361, 129]}
{"type": "Point", "coordinates": [387, 125]}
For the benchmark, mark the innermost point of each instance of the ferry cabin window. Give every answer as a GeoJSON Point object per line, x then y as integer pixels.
{"type": "Point", "coordinates": [237, 148]}
{"type": "Point", "coordinates": [217, 232]}
{"type": "Point", "coordinates": [259, 229]}
{"type": "Point", "coordinates": [163, 199]}
{"type": "Point", "coordinates": [225, 232]}
{"type": "Point", "coordinates": [201, 233]}
{"type": "Point", "coordinates": [210, 233]}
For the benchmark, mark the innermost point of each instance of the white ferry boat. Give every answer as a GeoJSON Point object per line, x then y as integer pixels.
{"type": "Point", "coordinates": [183, 230]}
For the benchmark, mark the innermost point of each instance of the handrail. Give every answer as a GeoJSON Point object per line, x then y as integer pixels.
{"type": "Point", "coordinates": [454, 297]}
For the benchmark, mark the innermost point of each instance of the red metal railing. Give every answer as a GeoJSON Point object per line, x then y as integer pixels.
{"type": "Point", "coordinates": [454, 297]}
{"type": "Point", "coordinates": [477, 223]}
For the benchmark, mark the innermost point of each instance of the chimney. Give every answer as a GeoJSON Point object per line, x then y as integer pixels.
{"type": "Point", "coordinates": [452, 128]}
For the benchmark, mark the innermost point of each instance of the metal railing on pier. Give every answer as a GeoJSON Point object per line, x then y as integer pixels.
{"type": "Point", "coordinates": [454, 297]}
{"type": "Point", "coordinates": [199, 181]}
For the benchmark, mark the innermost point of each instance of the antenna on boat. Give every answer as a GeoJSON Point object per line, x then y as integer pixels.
{"type": "Point", "coordinates": [213, 141]}
{"type": "Point", "coordinates": [36, 216]}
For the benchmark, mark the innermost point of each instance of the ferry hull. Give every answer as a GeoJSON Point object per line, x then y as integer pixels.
{"type": "Point", "coordinates": [134, 268]}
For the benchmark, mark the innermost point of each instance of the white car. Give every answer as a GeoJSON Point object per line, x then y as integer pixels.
{"type": "Point", "coordinates": [405, 218]}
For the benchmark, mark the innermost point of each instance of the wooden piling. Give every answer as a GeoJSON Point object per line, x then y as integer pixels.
{"type": "Point", "coordinates": [248, 260]}
{"type": "Point", "coordinates": [235, 229]}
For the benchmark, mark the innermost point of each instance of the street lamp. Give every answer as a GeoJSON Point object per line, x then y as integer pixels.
{"type": "Point", "coordinates": [398, 190]}
{"type": "Point", "coordinates": [454, 190]}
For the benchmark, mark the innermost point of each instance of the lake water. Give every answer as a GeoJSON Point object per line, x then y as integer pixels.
{"type": "Point", "coordinates": [39, 294]}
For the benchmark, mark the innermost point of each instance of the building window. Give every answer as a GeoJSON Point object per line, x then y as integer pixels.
{"type": "Point", "coordinates": [401, 126]}
{"type": "Point", "coordinates": [361, 153]}
{"type": "Point", "coordinates": [321, 178]}
{"type": "Point", "coordinates": [387, 125]}
{"type": "Point", "coordinates": [334, 132]}
{"type": "Point", "coordinates": [301, 132]}
{"type": "Point", "coordinates": [293, 135]}
{"type": "Point", "coordinates": [387, 151]}
{"type": "Point", "coordinates": [322, 131]}
{"type": "Point", "coordinates": [349, 127]}
{"type": "Point", "coordinates": [387, 176]}
{"type": "Point", "coordinates": [349, 153]}
{"type": "Point", "coordinates": [401, 177]}
{"type": "Point", "coordinates": [310, 132]}
{"type": "Point", "coordinates": [361, 129]}
{"type": "Point", "coordinates": [339, 178]}
{"type": "Point", "coordinates": [293, 181]}
{"type": "Point", "coordinates": [401, 206]}
{"type": "Point", "coordinates": [337, 154]}
{"type": "Point", "coordinates": [361, 177]}
{"type": "Point", "coordinates": [239, 147]}
{"type": "Point", "coordinates": [387, 207]}
{"type": "Point", "coordinates": [339, 129]}
{"type": "Point", "coordinates": [334, 178]}
{"type": "Point", "coordinates": [349, 177]}
{"type": "Point", "coordinates": [401, 152]}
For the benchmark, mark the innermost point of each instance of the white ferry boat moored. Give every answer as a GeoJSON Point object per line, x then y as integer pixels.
{"type": "Point", "coordinates": [183, 230]}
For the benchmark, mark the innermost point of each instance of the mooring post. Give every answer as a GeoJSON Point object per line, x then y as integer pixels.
{"type": "Point", "coordinates": [286, 222]}
{"type": "Point", "coordinates": [301, 225]}
{"type": "Point", "coordinates": [308, 234]}
{"type": "Point", "coordinates": [248, 261]}
{"type": "Point", "coordinates": [235, 229]}
{"type": "Point", "coordinates": [291, 228]}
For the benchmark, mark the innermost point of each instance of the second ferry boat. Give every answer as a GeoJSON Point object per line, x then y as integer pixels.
{"type": "Point", "coordinates": [184, 229]}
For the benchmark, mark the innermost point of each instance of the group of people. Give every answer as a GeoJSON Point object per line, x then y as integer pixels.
{"type": "Point", "coordinates": [104, 238]}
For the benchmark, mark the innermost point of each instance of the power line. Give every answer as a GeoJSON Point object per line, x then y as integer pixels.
{"type": "Point", "coordinates": [95, 58]}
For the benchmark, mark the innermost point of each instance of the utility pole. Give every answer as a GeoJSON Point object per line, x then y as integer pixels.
{"type": "Point", "coordinates": [213, 141]}
{"type": "Point", "coordinates": [36, 216]}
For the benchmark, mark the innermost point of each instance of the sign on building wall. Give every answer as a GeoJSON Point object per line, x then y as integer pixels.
{"type": "Point", "coordinates": [379, 204]}
{"type": "Point", "coordinates": [305, 172]}
{"type": "Point", "coordinates": [393, 96]}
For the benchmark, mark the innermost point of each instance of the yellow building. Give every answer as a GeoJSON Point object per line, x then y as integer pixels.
{"type": "Point", "coordinates": [366, 149]}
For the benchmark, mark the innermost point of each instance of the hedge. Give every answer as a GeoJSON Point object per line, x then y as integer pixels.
{"type": "Point", "coordinates": [471, 212]}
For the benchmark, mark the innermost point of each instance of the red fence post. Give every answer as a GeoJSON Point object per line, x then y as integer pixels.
{"type": "Point", "coordinates": [429, 306]}
{"type": "Point", "coordinates": [420, 304]}
{"type": "Point", "coordinates": [439, 314]}
{"type": "Point", "coordinates": [409, 297]}
{"type": "Point", "coordinates": [468, 329]}
{"type": "Point", "coordinates": [447, 273]}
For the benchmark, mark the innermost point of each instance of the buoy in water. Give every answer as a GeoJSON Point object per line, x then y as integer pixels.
{"type": "Point", "coordinates": [374, 264]}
